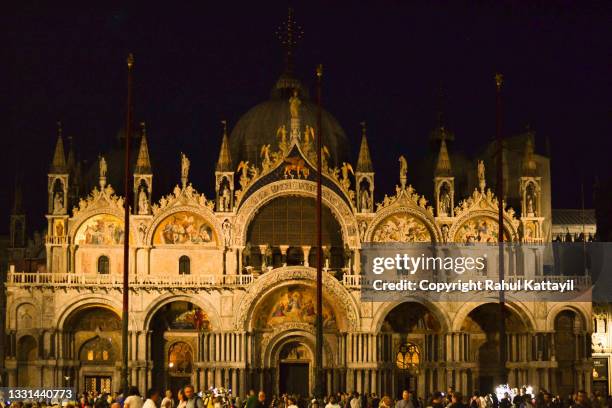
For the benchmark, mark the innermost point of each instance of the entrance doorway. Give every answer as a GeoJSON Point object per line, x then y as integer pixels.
{"type": "Point", "coordinates": [294, 379]}
{"type": "Point", "coordinates": [98, 383]}
{"type": "Point", "coordinates": [405, 381]}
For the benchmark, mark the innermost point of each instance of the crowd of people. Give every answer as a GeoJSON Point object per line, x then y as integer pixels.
{"type": "Point", "coordinates": [187, 397]}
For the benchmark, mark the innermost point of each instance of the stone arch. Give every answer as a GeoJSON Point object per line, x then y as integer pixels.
{"type": "Point", "coordinates": [203, 212]}
{"type": "Point", "coordinates": [89, 300]}
{"type": "Point", "coordinates": [385, 308]}
{"type": "Point", "coordinates": [13, 308]}
{"type": "Point", "coordinates": [509, 223]}
{"type": "Point", "coordinates": [147, 315]}
{"type": "Point", "coordinates": [339, 208]}
{"type": "Point", "coordinates": [515, 306]}
{"type": "Point", "coordinates": [587, 323]}
{"type": "Point", "coordinates": [420, 214]}
{"type": "Point", "coordinates": [284, 335]}
{"type": "Point", "coordinates": [277, 278]}
{"type": "Point", "coordinates": [82, 217]}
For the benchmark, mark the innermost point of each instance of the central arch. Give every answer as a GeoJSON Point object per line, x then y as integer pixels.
{"type": "Point", "coordinates": [294, 187]}
{"type": "Point", "coordinates": [344, 306]}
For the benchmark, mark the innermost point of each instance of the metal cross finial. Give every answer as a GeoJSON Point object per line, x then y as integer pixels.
{"type": "Point", "coordinates": [224, 123]}
{"type": "Point", "coordinates": [143, 128]}
{"type": "Point", "coordinates": [59, 128]}
{"type": "Point", "coordinates": [130, 60]}
{"type": "Point", "coordinates": [363, 128]}
{"type": "Point", "coordinates": [289, 33]}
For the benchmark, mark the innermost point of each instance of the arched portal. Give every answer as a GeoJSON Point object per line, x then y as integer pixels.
{"type": "Point", "coordinates": [410, 341]}
{"type": "Point", "coordinates": [295, 363]}
{"type": "Point", "coordinates": [176, 336]}
{"type": "Point", "coordinates": [569, 350]}
{"type": "Point", "coordinates": [93, 337]}
{"type": "Point", "coordinates": [482, 326]}
{"type": "Point", "coordinates": [27, 355]}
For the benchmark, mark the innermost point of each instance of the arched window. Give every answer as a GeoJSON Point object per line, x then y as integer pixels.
{"type": "Point", "coordinates": [407, 356]}
{"type": "Point", "coordinates": [184, 265]}
{"type": "Point", "coordinates": [103, 265]}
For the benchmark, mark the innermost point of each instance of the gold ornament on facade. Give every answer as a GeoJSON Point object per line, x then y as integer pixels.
{"type": "Point", "coordinates": [99, 198]}
{"type": "Point", "coordinates": [183, 196]}
{"type": "Point", "coordinates": [401, 228]}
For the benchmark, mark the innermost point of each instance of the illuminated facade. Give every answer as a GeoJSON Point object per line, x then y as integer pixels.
{"type": "Point", "coordinates": [222, 288]}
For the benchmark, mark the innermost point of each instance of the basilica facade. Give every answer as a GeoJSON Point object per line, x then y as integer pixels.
{"type": "Point", "coordinates": [222, 288]}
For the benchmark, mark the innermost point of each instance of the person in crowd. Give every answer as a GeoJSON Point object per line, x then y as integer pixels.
{"type": "Point", "coordinates": [167, 402]}
{"type": "Point", "coordinates": [182, 401]}
{"type": "Point", "coordinates": [291, 402]}
{"type": "Point", "coordinates": [261, 400]}
{"type": "Point", "coordinates": [405, 402]}
{"type": "Point", "coordinates": [152, 399]}
{"type": "Point", "coordinates": [193, 400]}
{"type": "Point", "coordinates": [133, 399]}
{"type": "Point", "coordinates": [332, 403]}
{"type": "Point", "coordinates": [580, 400]}
{"type": "Point", "coordinates": [457, 400]}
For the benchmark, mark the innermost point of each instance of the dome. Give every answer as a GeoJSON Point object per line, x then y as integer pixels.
{"type": "Point", "coordinates": [259, 125]}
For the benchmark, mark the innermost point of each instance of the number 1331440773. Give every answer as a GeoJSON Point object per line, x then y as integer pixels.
{"type": "Point", "coordinates": [10, 395]}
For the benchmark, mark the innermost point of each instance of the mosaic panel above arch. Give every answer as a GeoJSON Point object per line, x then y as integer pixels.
{"type": "Point", "coordinates": [292, 304]}
{"type": "Point", "coordinates": [401, 227]}
{"type": "Point", "coordinates": [101, 229]}
{"type": "Point", "coordinates": [184, 228]}
{"type": "Point", "coordinates": [479, 229]}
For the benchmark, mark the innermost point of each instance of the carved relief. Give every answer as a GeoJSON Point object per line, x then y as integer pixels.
{"type": "Point", "coordinates": [401, 228]}
{"type": "Point", "coordinates": [184, 228]}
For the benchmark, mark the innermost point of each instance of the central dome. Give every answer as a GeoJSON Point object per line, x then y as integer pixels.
{"type": "Point", "coordinates": [259, 125]}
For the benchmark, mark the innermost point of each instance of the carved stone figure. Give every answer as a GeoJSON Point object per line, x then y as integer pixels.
{"type": "Point", "coordinates": [185, 163]}
{"type": "Point", "coordinates": [265, 156]}
{"type": "Point", "coordinates": [363, 226]}
{"type": "Point", "coordinates": [445, 201]}
{"type": "Point", "coordinates": [225, 198]}
{"type": "Point", "coordinates": [294, 105]}
{"type": "Point", "coordinates": [403, 170]}
{"type": "Point", "coordinates": [142, 232]}
{"type": "Point", "coordinates": [59, 229]}
{"type": "Point", "coordinates": [143, 201]}
{"type": "Point", "coordinates": [103, 167]}
{"type": "Point", "coordinates": [227, 232]}
{"type": "Point", "coordinates": [481, 175]}
{"type": "Point", "coordinates": [282, 134]}
{"type": "Point", "coordinates": [364, 200]}
{"type": "Point", "coordinates": [58, 202]}
{"type": "Point", "coordinates": [346, 169]}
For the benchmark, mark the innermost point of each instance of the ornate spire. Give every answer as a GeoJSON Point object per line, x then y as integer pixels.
{"type": "Point", "coordinates": [289, 33]}
{"type": "Point", "coordinates": [443, 166]}
{"type": "Point", "coordinates": [530, 167]}
{"type": "Point", "coordinates": [58, 165]}
{"type": "Point", "coordinates": [143, 162]}
{"type": "Point", "coordinates": [224, 163]}
{"type": "Point", "coordinates": [364, 162]}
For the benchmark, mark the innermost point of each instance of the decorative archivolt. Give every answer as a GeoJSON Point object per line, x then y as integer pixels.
{"type": "Point", "coordinates": [404, 217]}
{"type": "Point", "coordinates": [99, 201]}
{"type": "Point", "coordinates": [183, 202]}
{"type": "Point", "coordinates": [269, 282]}
{"type": "Point", "coordinates": [338, 206]}
{"type": "Point", "coordinates": [273, 342]}
{"type": "Point", "coordinates": [482, 208]}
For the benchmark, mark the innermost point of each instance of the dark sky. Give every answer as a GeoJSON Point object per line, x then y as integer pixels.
{"type": "Point", "coordinates": [384, 61]}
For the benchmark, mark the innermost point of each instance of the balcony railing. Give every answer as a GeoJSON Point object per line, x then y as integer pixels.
{"type": "Point", "coordinates": [60, 280]}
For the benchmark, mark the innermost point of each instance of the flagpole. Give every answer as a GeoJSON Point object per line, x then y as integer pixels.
{"type": "Point", "coordinates": [319, 328]}
{"type": "Point", "coordinates": [500, 232]}
{"type": "Point", "coordinates": [126, 234]}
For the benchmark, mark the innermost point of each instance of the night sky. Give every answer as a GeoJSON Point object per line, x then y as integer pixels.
{"type": "Point", "coordinates": [384, 63]}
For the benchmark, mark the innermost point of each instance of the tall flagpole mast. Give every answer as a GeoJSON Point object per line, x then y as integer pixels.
{"type": "Point", "coordinates": [126, 234]}
{"type": "Point", "coordinates": [319, 339]}
{"type": "Point", "coordinates": [500, 222]}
